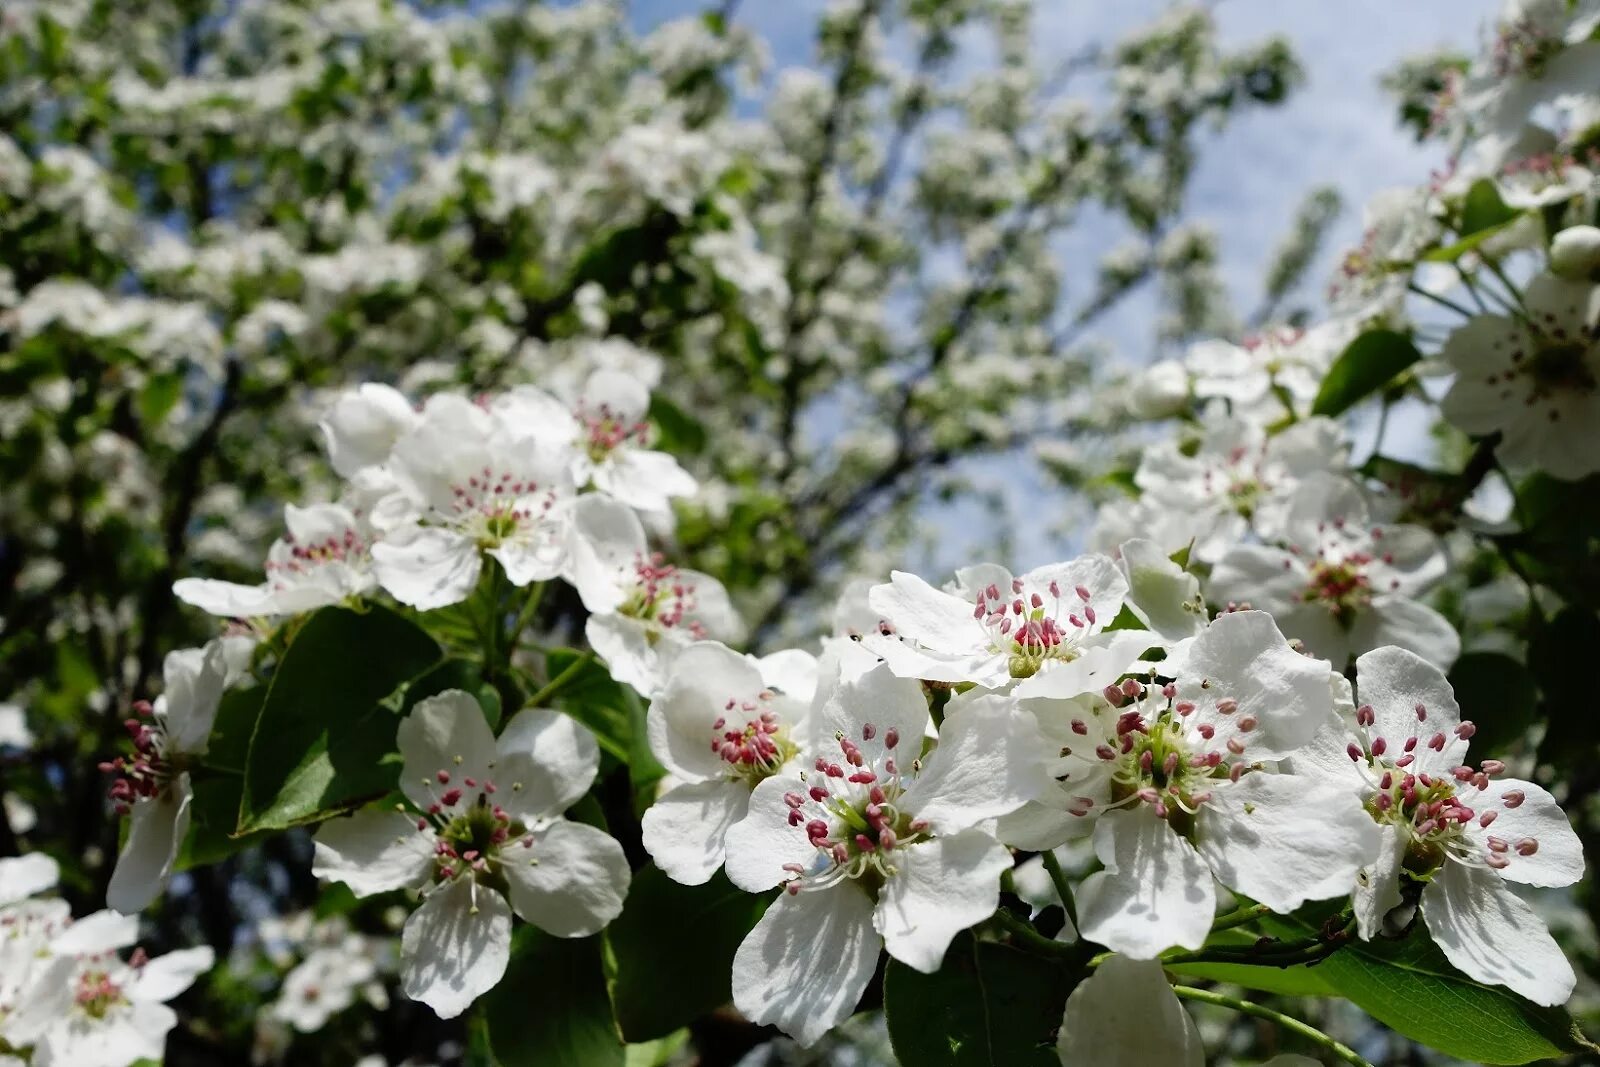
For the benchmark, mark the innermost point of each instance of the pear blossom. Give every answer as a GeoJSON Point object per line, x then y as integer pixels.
{"type": "Point", "coordinates": [322, 985]}
{"type": "Point", "coordinates": [1125, 1014]}
{"type": "Point", "coordinates": [1269, 371]}
{"type": "Point", "coordinates": [1343, 584]}
{"type": "Point", "coordinates": [362, 426]}
{"type": "Point", "coordinates": [1046, 627]}
{"type": "Point", "coordinates": [642, 610]}
{"type": "Point", "coordinates": [608, 434]}
{"type": "Point", "coordinates": [875, 847]}
{"type": "Point", "coordinates": [723, 724]}
{"type": "Point", "coordinates": [470, 481]}
{"type": "Point", "coordinates": [1533, 379]}
{"type": "Point", "coordinates": [1177, 782]}
{"type": "Point", "coordinates": [1453, 832]}
{"type": "Point", "coordinates": [152, 785]}
{"type": "Point", "coordinates": [1237, 480]}
{"type": "Point", "coordinates": [323, 558]}
{"type": "Point", "coordinates": [90, 1008]}
{"type": "Point", "coordinates": [484, 837]}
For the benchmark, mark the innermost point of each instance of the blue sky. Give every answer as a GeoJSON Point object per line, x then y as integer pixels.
{"type": "Point", "coordinates": [1339, 129]}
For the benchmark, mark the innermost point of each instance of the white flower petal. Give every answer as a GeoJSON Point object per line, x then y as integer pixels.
{"type": "Point", "coordinates": [1492, 935]}
{"type": "Point", "coordinates": [805, 965]}
{"type": "Point", "coordinates": [878, 697]}
{"type": "Point", "coordinates": [1397, 620]}
{"type": "Point", "coordinates": [643, 479]}
{"type": "Point", "coordinates": [96, 934]}
{"type": "Point", "coordinates": [165, 977]}
{"type": "Point", "coordinates": [1155, 892]}
{"type": "Point", "coordinates": [446, 732]}
{"type": "Point", "coordinates": [1558, 856]}
{"type": "Point", "coordinates": [1161, 594]}
{"type": "Point", "coordinates": [705, 677]}
{"type": "Point", "coordinates": [939, 888]}
{"type": "Point", "coordinates": [608, 542]}
{"type": "Point", "coordinates": [455, 947]}
{"type": "Point", "coordinates": [935, 619]}
{"type": "Point", "coordinates": [546, 761]}
{"type": "Point", "coordinates": [1396, 683]}
{"type": "Point", "coordinates": [686, 829]}
{"type": "Point", "coordinates": [1283, 839]}
{"type": "Point", "coordinates": [373, 851]}
{"type": "Point", "coordinates": [570, 882]}
{"type": "Point", "coordinates": [1126, 1015]}
{"type": "Point", "coordinates": [156, 829]}
{"type": "Point", "coordinates": [1377, 890]}
{"type": "Point", "coordinates": [434, 568]}
{"type": "Point", "coordinates": [1102, 659]}
{"type": "Point", "coordinates": [194, 682]}
{"type": "Point", "coordinates": [363, 424]}
{"type": "Point", "coordinates": [990, 761]}
{"type": "Point", "coordinates": [24, 876]}
{"type": "Point", "coordinates": [761, 843]}
{"type": "Point", "coordinates": [230, 600]}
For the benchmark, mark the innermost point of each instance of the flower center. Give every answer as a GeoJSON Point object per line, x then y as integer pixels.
{"type": "Point", "coordinates": [96, 993]}
{"type": "Point", "coordinates": [350, 548]}
{"type": "Point", "coordinates": [150, 768]}
{"type": "Point", "coordinates": [1522, 47]}
{"type": "Point", "coordinates": [472, 830]}
{"type": "Point", "coordinates": [1029, 630]}
{"type": "Point", "coordinates": [494, 507]}
{"type": "Point", "coordinates": [851, 815]}
{"type": "Point", "coordinates": [606, 432]}
{"type": "Point", "coordinates": [750, 738]}
{"type": "Point", "coordinates": [1561, 366]}
{"type": "Point", "coordinates": [1342, 586]}
{"type": "Point", "coordinates": [1433, 810]}
{"type": "Point", "coordinates": [662, 597]}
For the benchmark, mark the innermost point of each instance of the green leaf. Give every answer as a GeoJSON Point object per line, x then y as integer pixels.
{"type": "Point", "coordinates": [1483, 209]}
{"type": "Point", "coordinates": [1367, 364]}
{"type": "Point", "coordinates": [678, 432]}
{"type": "Point", "coordinates": [614, 712]}
{"type": "Point", "coordinates": [1497, 693]}
{"type": "Point", "coordinates": [325, 741]}
{"type": "Point", "coordinates": [1410, 987]}
{"type": "Point", "coordinates": [551, 1006]}
{"type": "Point", "coordinates": [989, 1005]}
{"type": "Point", "coordinates": [158, 397]}
{"type": "Point", "coordinates": [1573, 729]}
{"type": "Point", "coordinates": [218, 788]}
{"type": "Point", "coordinates": [689, 932]}
{"type": "Point", "coordinates": [1452, 252]}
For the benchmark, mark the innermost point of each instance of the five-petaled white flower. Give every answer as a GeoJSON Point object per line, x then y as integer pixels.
{"type": "Point", "coordinates": [876, 848]}
{"type": "Point", "coordinates": [1043, 629]}
{"type": "Point", "coordinates": [642, 610]}
{"type": "Point", "coordinates": [1176, 781]}
{"type": "Point", "coordinates": [487, 827]}
{"type": "Point", "coordinates": [1237, 479]}
{"type": "Point", "coordinates": [723, 724]}
{"type": "Point", "coordinates": [1535, 378]}
{"type": "Point", "coordinates": [90, 1008]}
{"type": "Point", "coordinates": [152, 785]}
{"type": "Point", "coordinates": [1343, 584]}
{"type": "Point", "coordinates": [1455, 832]}
{"type": "Point", "coordinates": [323, 558]}
{"type": "Point", "coordinates": [471, 481]}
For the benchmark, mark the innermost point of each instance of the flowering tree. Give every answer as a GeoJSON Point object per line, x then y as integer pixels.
{"type": "Point", "coordinates": [475, 768]}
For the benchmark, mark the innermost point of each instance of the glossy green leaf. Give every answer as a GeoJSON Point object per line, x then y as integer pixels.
{"type": "Point", "coordinates": [1367, 364]}
{"type": "Point", "coordinates": [689, 932]}
{"type": "Point", "coordinates": [551, 1006]}
{"type": "Point", "coordinates": [325, 738]}
{"type": "Point", "coordinates": [219, 786]}
{"type": "Point", "coordinates": [1483, 208]}
{"type": "Point", "coordinates": [1410, 987]}
{"type": "Point", "coordinates": [989, 1005]}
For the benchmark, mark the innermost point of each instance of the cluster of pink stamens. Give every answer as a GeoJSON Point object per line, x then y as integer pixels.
{"type": "Point", "coordinates": [662, 596]}
{"type": "Point", "coordinates": [1429, 806]}
{"type": "Point", "coordinates": [499, 503]}
{"type": "Point", "coordinates": [470, 826]}
{"type": "Point", "coordinates": [1031, 629]}
{"type": "Point", "coordinates": [607, 431]}
{"type": "Point", "coordinates": [1521, 47]}
{"type": "Point", "coordinates": [757, 746]}
{"type": "Point", "coordinates": [305, 558]}
{"type": "Point", "coordinates": [1240, 479]}
{"type": "Point", "coordinates": [147, 771]}
{"type": "Point", "coordinates": [850, 814]}
{"type": "Point", "coordinates": [1342, 579]}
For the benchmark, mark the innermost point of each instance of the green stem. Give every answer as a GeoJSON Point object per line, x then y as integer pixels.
{"type": "Point", "coordinates": [1248, 913]}
{"type": "Point", "coordinates": [560, 681]}
{"type": "Point", "coordinates": [1441, 301]}
{"type": "Point", "coordinates": [1063, 890]}
{"type": "Point", "coordinates": [1516, 294]}
{"type": "Point", "coordinates": [1285, 954]}
{"type": "Point", "coordinates": [1245, 1007]}
{"type": "Point", "coordinates": [1032, 939]}
{"type": "Point", "coordinates": [530, 607]}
